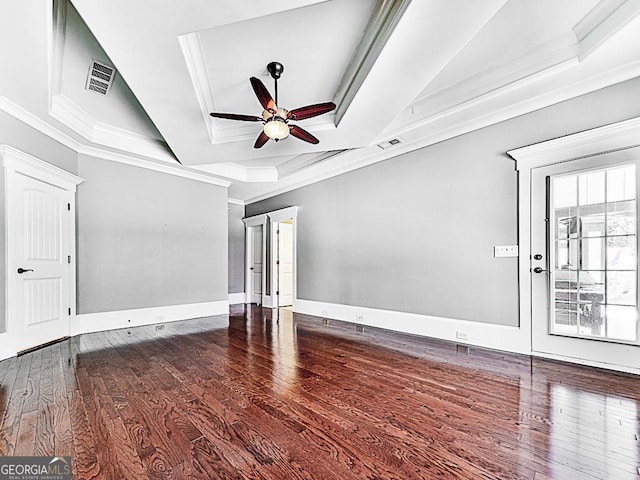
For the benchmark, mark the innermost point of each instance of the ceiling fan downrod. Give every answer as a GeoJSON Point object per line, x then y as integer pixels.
{"type": "Point", "coordinates": [275, 69]}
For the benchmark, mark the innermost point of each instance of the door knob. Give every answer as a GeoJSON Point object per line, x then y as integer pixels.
{"type": "Point", "coordinates": [537, 256]}
{"type": "Point", "coordinates": [539, 270]}
{"type": "Point", "coordinates": [22, 270]}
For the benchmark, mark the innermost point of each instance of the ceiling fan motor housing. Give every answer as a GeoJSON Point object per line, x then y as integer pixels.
{"type": "Point", "coordinates": [275, 69]}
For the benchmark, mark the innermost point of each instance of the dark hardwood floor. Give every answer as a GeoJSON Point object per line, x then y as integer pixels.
{"type": "Point", "coordinates": [295, 397]}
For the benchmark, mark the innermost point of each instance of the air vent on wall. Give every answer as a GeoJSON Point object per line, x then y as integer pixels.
{"type": "Point", "coordinates": [100, 77]}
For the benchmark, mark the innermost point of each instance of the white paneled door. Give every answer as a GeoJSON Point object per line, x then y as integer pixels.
{"type": "Point", "coordinates": [39, 260]}
{"type": "Point", "coordinates": [584, 267]}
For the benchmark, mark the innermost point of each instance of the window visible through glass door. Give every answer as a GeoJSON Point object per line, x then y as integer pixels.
{"type": "Point", "coordinates": [593, 236]}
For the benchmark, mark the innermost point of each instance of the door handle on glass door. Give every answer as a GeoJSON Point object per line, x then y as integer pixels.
{"type": "Point", "coordinates": [22, 270]}
{"type": "Point", "coordinates": [539, 270]}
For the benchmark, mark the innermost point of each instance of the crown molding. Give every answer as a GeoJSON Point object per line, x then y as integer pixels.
{"type": "Point", "coordinates": [47, 129]}
{"type": "Point", "coordinates": [613, 137]}
{"type": "Point", "coordinates": [73, 116]}
{"type": "Point", "coordinates": [602, 22]}
{"type": "Point", "coordinates": [235, 201]}
{"type": "Point", "coordinates": [240, 172]}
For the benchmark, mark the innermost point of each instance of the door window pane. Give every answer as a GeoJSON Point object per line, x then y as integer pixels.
{"type": "Point", "coordinates": [621, 218]}
{"type": "Point", "coordinates": [591, 188]}
{"type": "Point", "coordinates": [621, 183]}
{"type": "Point", "coordinates": [621, 288]}
{"type": "Point", "coordinates": [595, 255]}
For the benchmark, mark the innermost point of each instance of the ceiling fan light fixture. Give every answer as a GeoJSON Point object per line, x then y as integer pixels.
{"type": "Point", "coordinates": [276, 128]}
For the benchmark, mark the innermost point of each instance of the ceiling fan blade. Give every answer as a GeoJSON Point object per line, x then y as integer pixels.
{"type": "Point", "coordinates": [237, 116]}
{"type": "Point", "coordinates": [261, 140]}
{"type": "Point", "coordinates": [310, 111]}
{"type": "Point", "coordinates": [302, 134]}
{"type": "Point", "coordinates": [263, 95]}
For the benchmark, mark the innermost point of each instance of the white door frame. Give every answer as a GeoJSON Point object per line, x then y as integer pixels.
{"type": "Point", "coordinates": [16, 162]}
{"type": "Point", "coordinates": [615, 137]}
{"type": "Point", "coordinates": [289, 213]}
{"type": "Point", "coordinates": [251, 222]}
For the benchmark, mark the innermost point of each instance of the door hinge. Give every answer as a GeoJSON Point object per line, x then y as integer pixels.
{"type": "Point", "coordinates": [277, 262]}
{"type": "Point", "coordinates": [68, 258]}
{"type": "Point", "coordinates": [69, 310]}
{"type": "Point", "coordinates": [69, 206]}
{"type": "Point", "coordinates": [277, 292]}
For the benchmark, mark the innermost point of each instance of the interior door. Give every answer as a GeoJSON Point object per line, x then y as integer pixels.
{"type": "Point", "coordinates": [39, 231]}
{"type": "Point", "coordinates": [584, 268]}
{"type": "Point", "coordinates": [255, 264]}
{"type": "Point", "coordinates": [285, 264]}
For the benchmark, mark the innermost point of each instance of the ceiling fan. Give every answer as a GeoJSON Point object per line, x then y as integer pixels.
{"type": "Point", "coordinates": [275, 119]}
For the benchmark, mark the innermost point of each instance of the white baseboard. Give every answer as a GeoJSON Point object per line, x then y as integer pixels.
{"type": "Point", "coordinates": [98, 322]}
{"type": "Point", "coordinates": [589, 363]}
{"type": "Point", "coordinates": [7, 349]}
{"type": "Point", "coordinates": [237, 298]}
{"type": "Point", "coordinates": [498, 337]}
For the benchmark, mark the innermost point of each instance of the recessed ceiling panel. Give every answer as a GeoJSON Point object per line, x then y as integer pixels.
{"type": "Point", "coordinates": [299, 39]}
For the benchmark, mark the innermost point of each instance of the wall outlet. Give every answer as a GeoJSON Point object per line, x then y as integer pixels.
{"type": "Point", "coordinates": [359, 318]}
{"type": "Point", "coordinates": [502, 251]}
{"type": "Point", "coordinates": [324, 313]}
{"type": "Point", "coordinates": [462, 336]}
{"type": "Point", "coordinates": [159, 327]}
{"type": "Point", "coordinates": [159, 318]}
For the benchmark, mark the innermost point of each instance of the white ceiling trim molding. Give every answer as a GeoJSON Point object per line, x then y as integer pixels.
{"type": "Point", "coordinates": [240, 173]}
{"type": "Point", "coordinates": [47, 129]}
{"type": "Point", "coordinates": [78, 120]}
{"type": "Point", "coordinates": [384, 19]}
{"type": "Point", "coordinates": [197, 68]}
{"type": "Point", "coordinates": [56, 36]}
{"type": "Point", "coordinates": [617, 136]}
{"type": "Point", "coordinates": [606, 18]}
{"type": "Point", "coordinates": [303, 161]}
{"type": "Point", "coordinates": [235, 201]}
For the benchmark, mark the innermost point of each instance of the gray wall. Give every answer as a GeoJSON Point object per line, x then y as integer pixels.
{"type": "Point", "coordinates": [236, 248]}
{"type": "Point", "coordinates": [416, 233]}
{"type": "Point", "coordinates": [148, 239]}
{"type": "Point", "coordinates": [21, 136]}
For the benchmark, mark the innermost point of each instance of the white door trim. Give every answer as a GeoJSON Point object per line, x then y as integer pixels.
{"type": "Point", "coordinates": [17, 162]}
{"type": "Point", "coordinates": [618, 136]}
{"type": "Point", "coordinates": [249, 222]}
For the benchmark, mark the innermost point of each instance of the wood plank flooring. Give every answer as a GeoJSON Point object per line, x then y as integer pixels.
{"type": "Point", "coordinates": [296, 397]}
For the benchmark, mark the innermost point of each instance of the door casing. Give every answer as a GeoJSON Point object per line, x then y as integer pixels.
{"type": "Point", "coordinates": [616, 137]}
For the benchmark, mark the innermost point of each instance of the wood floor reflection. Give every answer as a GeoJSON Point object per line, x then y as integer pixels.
{"type": "Point", "coordinates": [296, 397]}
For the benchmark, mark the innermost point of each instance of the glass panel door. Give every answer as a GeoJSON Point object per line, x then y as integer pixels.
{"type": "Point", "coordinates": [584, 269]}
{"type": "Point", "coordinates": [594, 254]}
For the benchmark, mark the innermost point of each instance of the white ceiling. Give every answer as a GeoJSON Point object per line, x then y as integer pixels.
{"type": "Point", "coordinates": [434, 71]}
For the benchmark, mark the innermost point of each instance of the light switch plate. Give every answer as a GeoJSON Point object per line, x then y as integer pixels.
{"type": "Point", "coordinates": [501, 251]}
